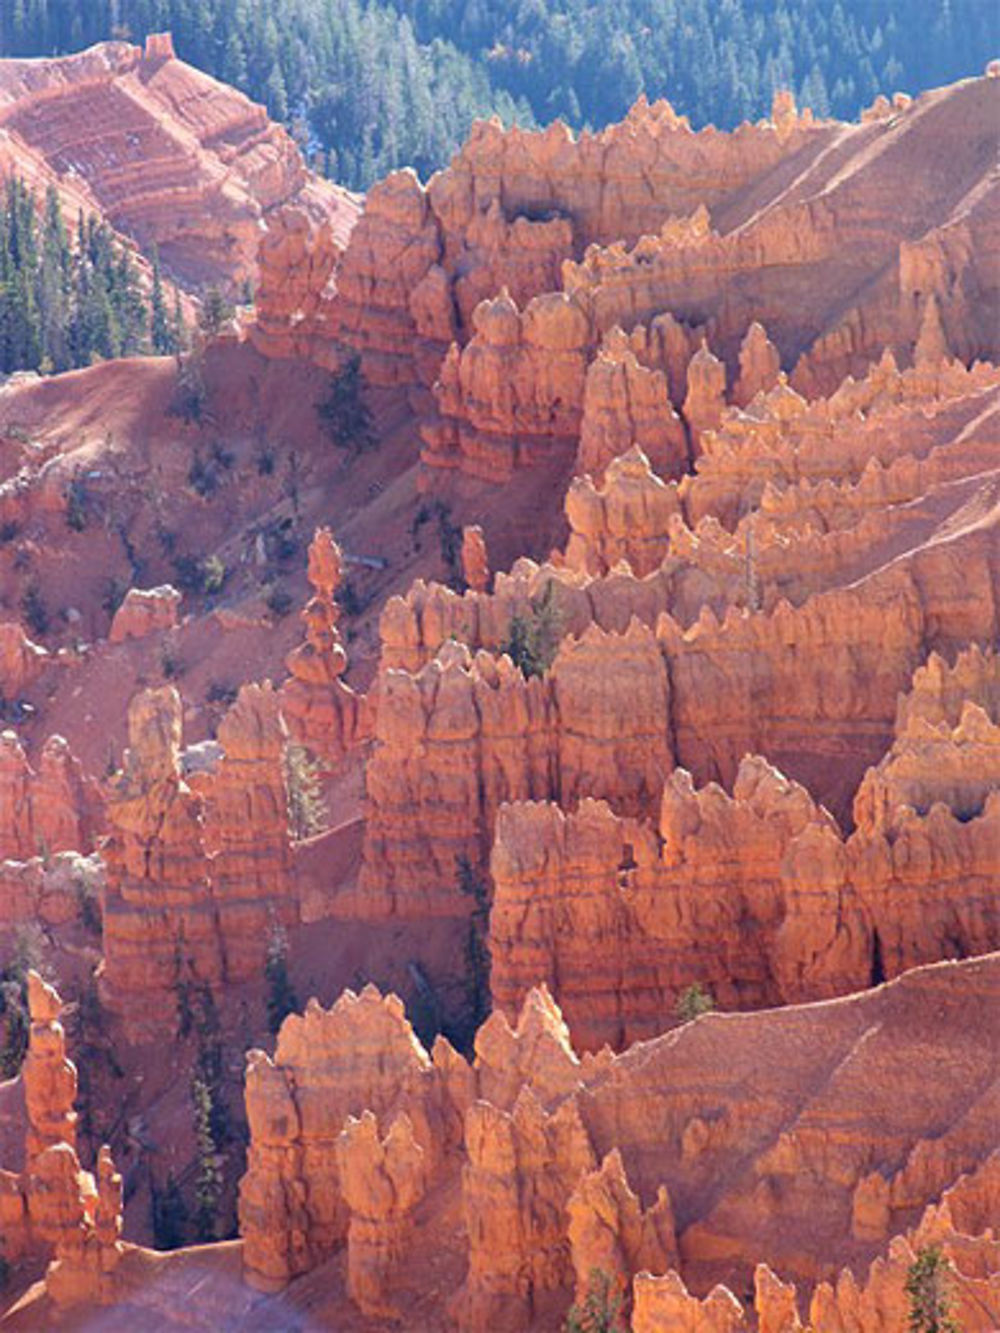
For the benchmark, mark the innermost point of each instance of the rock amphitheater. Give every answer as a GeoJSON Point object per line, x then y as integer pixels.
{"type": "Point", "coordinates": [710, 421]}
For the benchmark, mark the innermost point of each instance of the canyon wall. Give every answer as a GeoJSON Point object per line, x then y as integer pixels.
{"type": "Point", "coordinates": [758, 897]}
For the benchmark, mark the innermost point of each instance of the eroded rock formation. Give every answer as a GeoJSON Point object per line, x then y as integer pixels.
{"type": "Point", "coordinates": [52, 808]}
{"type": "Point", "coordinates": [382, 1181]}
{"type": "Point", "coordinates": [683, 900]}
{"type": "Point", "coordinates": [322, 712]}
{"type": "Point", "coordinates": [605, 1159]}
{"type": "Point", "coordinates": [145, 611]}
{"type": "Point", "coordinates": [361, 1055]}
{"type": "Point", "coordinates": [167, 154]}
{"type": "Point", "coordinates": [53, 1207]}
{"type": "Point", "coordinates": [463, 735]}
{"type": "Point", "coordinates": [198, 872]}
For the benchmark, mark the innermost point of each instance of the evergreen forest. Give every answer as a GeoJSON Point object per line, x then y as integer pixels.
{"type": "Point", "coordinates": [369, 85]}
{"type": "Point", "coordinates": [69, 299]}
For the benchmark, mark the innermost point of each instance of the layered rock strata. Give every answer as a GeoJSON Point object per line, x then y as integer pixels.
{"type": "Point", "coordinates": [169, 156]}
{"type": "Point", "coordinates": [382, 1181]}
{"type": "Point", "coordinates": [812, 913]}
{"type": "Point", "coordinates": [511, 207]}
{"type": "Point", "coordinates": [463, 735]}
{"type": "Point", "coordinates": [659, 1156]}
{"type": "Point", "coordinates": [52, 808]}
{"type": "Point", "coordinates": [52, 1207]}
{"type": "Point", "coordinates": [361, 1055]}
{"type": "Point", "coordinates": [198, 871]}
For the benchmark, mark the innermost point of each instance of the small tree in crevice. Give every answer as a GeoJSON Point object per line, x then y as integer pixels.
{"type": "Point", "coordinates": [281, 997]}
{"type": "Point", "coordinates": [600, 1311]}
{"type": "Point", "coordinates": [208, 1185]}
{"type": "Point", "coordinates": [693, 1001]}
{"type": "Point", "coordinates": [304, 801]}
{"type": "Point", "coordinates": [533, 639]}
{"type": "Point", "coordinates": [15, 1018]}
{"type": "Point", "coordinates": [215, 312]}
{"type": "Point", "coordinates": [95, 1049]}
{"type": "Point", "coordinates": [190, 396]}
{"type": "Point", "coordinates": [344, 412]}
{"type": "Point", "coordinates": [477, 953]}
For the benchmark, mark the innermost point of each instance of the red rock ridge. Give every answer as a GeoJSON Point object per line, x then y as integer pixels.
{"type": "Point", "coordinates": [169, 156]}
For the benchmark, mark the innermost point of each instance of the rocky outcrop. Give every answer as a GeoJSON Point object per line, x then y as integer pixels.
{"type": "Point", "coordinates": [609, 1233]}
{"type": "Point", "coordinates": [879, 1302]}
{"type": "Point", "coordinates": [626, 404]}
{"type": "Point", "coordinates": [320, 709]}
{"type": "Point", "coordinates": [475, 560]}
{"type": "Point", "coordinates": [361, 1055]}
{"type": "Point", "coordinates": [49, 1077]}
{"type": "Point", "coordinates": [297, 259]}
{"type": "Point", "coordinates": [515, 392]}
{"type": "Point", "coordinates": [52, 808]}
{"type": "Point", "coordinates": [783, 452]}
{"type": "Point", "coordinates": [394, 258]}
{"type": "Point", "coordinates": [628, 517]}
{"type": "Point", "coordinates": [522, 1168]}
{"type": "Point", "coordinates": [82, 1220]}
{"type": "Point", "coordinates": [21, 661]}
{"type": "Point", "coordinates": [159, 915]}
{"type": "Point", "coordinates": [619, 917]}
{"type": "Point", "coordinates": [169, 156]}
{"type": "Point", "coordinates": [246, 831]}
{"type": "Point", "coordinates": [757, 897]}
{"type": "Point", "coordinates": [514, 205]}
{"type": "Point", "coordinates": [319, 1171]}
{"type": "Point", "coordinates": [664, 1304]}
{"type": "Point", "coordinates": [145, 611]}
{"type": "Point", "coordinates": [958, 767]}
{"type": "Point", "coordinates": [459, 737]}
{"type": "Point", "coordinates": [51, 890]}
{"type": "Point", "coordinates": [791, 500]}
{"type": "Point", "coordinates": [53, 1207]}
{"type": "Point", "coordinates": [382, 1181]}
{"type": "Point", "coordinates": [510, 208]}
{"type": "Point", "coordinates": [197, 871]}
{"type": "Point", "coordinates": [735, 1133]}
{"type": "Point", "coordinates": [760, 365]}
{"type": "Point", "coordinates": [706, 395]}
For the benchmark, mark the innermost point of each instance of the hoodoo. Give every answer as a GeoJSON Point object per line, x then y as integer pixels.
{"type": "Point", "coordinates": [499, 669]}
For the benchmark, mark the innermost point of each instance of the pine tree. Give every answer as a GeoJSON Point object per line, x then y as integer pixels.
{"type": "Point", "coordinates": [281, 997]}
{"type": "Point", "coordinates": [159, 325]}
{"type": "Point", "coordinates": [305, 807]}
{"type": "Point", "coordinates": [344, 411]}
{"type": "Point", "coordinates": [178, 332]}
{"type": "Point", "coordinates": [215, 311]}
{"type": "Point", "coordinates": [929, 1291]}
{"type": "Point", "coordinates": [694, 1001]}
{"type": "Point", "coordinates": [208, 1187]}
{"type": "Point", "coordinates": [600, 1311]}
